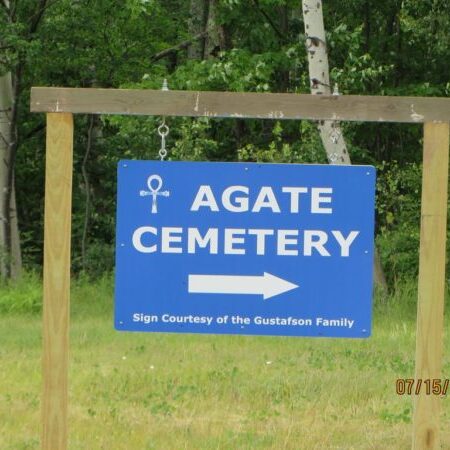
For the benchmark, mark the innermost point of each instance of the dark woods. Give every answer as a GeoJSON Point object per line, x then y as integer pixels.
{"type": "Point", "coordinates": [384, 47]}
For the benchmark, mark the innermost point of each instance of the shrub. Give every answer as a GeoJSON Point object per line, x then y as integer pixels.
{"type": "Point", "coordinates": [21, 295]}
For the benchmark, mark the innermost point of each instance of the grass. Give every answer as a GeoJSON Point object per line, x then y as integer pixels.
{"type": "Point", "coordinates": [161, 391]}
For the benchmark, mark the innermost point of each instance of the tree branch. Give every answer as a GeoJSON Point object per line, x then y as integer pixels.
{"type": "Point", "coordinates": [12, 11]}
{"type": "Point", "coordinates": [37, 16]}
{"type": "Point", "coordinates": [269, 21]}
{"type": "Point", "coordinates": [35, 130]}
{"type": "Point", "coordinates": [176, 48]}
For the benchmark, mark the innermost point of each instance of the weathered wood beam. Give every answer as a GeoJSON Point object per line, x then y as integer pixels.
{"type": "Point", "coordinates": [238, 104]}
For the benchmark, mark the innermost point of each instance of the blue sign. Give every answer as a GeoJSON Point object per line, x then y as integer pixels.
{"type": "Point", "coordinates": [244, 248]}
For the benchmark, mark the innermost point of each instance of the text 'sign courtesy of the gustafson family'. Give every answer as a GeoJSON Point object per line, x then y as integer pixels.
{"type": "Point", "coordinates": [325, 322]}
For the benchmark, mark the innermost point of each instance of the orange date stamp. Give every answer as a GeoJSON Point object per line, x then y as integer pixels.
{"type": "Point", "coordinates": [429, 386]}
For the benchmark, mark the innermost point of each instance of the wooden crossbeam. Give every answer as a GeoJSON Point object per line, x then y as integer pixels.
{"type": "Point", "coordinates": [241, 105]}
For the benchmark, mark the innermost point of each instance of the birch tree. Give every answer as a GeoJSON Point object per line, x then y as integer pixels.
{"type": "Point", "coordinates": [10, 255]}
{"type": "Point", "coordinates": [319, 76]}
{"type": "Point", "coordinates": [5, 108]}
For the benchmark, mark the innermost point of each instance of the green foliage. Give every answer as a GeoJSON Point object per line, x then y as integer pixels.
{"type": "Point", "coordinates": [88, 296]}
{"type": "Point", "coordinates": [383, 47]}
{"type": "Point", "coordinates": [99, 258]}
{"type": "Point", "coordinates": [395, 417]}
{"type": "Point", "coordinates": [307, 148]}
{"type": "Point", "coordinates": [193, 143]}
{"type": "Point", "coordinates": [359, 71]}
{"type": "Point", "coordinates": [92, 297]}
{"type": "Point", "coordinates": [21, 296]}
{"type": "Point", "coordinates": [402, 300]}
{"type": "Point", "coordinates": [237, 70]}
{"type": "Point", "coordinates": [398, 218]}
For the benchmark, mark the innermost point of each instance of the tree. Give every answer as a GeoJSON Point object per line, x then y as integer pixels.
{"type": "Point", "coordinates": [10, 83]}
{"type": "Point", "coordinates": [319, 75]}
{"type": "Point", "coordinates": [198, 14]}
{"type": "Point", "coordinates": [9, 248]}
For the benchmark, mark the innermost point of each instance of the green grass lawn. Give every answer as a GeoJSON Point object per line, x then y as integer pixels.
{"type": "Point", "coordinates": [160, 391]}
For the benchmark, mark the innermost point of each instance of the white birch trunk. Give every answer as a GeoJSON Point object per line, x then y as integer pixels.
{"type": "Point", "coordinates": [5, 139]}
{"type": "Point", "coordinates": [11, 257]}
{"type": "Point", "coordinates": [319, 76]}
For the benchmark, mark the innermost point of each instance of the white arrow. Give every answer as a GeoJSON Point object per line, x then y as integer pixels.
{"type": "Point", "coordinates": [266, 285]}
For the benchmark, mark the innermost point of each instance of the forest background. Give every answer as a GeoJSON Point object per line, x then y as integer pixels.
{"type": "Point", "coordinates": [376, 47]}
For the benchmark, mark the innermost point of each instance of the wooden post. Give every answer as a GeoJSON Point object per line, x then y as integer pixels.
{"type": "Point", "coordinates": [430, 308]}
{"type": "Point", "coordinates": [57, 233]}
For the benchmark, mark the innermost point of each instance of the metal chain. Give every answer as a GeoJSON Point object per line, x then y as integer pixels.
{"type": "Point", "coordinates": [335, 134]}
{"type": "Point", "coordinates": [163, 131]}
